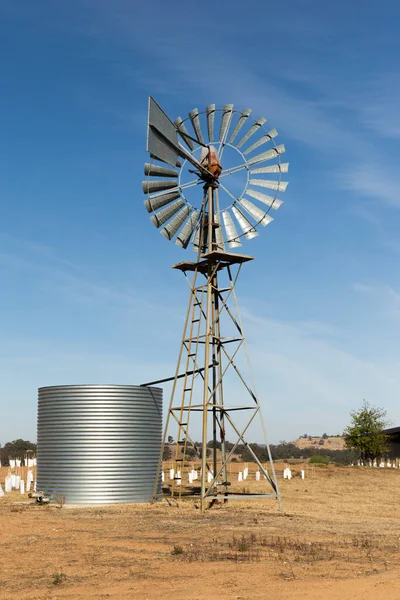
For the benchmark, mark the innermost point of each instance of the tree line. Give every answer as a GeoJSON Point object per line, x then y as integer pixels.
{"type": "Point", "coordinates": [363, 437]}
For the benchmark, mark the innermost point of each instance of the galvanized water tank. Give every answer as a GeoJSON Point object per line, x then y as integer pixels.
{"type": "Point", "coordinates": [99, 444]}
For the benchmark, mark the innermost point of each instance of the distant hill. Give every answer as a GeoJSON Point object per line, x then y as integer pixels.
{"type": "Point", "coordinates": [330, 443]}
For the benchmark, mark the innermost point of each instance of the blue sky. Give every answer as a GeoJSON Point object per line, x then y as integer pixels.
{"type": "Point", "coordinates": [87, 292]}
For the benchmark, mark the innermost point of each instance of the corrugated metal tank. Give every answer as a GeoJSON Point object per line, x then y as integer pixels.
{"type": "Point", "coordinates": [99, 444]}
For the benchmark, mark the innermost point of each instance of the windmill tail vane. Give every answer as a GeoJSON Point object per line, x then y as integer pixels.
{"type": "Point", "coordinates": [229, 168]}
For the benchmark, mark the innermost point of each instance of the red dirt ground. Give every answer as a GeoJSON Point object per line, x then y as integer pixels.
{"type": "Point", "coordinates": [338, 539]}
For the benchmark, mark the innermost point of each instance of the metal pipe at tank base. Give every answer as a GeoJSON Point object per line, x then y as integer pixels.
{"type": "Point", "coordinates": [99, 444]}
{"type": "Point", "coordinates": [35, 494]}
{"type": "Point", "coordinates": [43, 500]}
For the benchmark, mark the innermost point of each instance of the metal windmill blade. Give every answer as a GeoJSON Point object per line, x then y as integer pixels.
{"type": "Point", "coordinates": [166, 213]}
{"type": "Point", "coordinates": [158, 200]}
{"type": "Point", "coordinates": [242, 120]}
{"type": "Point", "coordinates": [265, 138]}
{"type": "Point", "coordinates": [259, 123]}
{"type": "Point", "coordinates": [194, 117]}
{"type": "Point", "coordinates": [158, 171]}
{"type": "Point", "coordinates": [219, 237]}
{"type": "Point", "coordinates": [268, 155]}
{"type": "Point", "coordinates": [232, 237]}
{"type": "Point", "coordinates": [196, 238]}
{"type": "Point", "coordinates": [183, 132]}
{"type": "Point", "coordinates": [210, 111]}
{"type": "Point", "coordinates": [271, 201]}
{"type": "Point", "coordinates": [258, 215]}
{"type": "Point", "coordinates": [170, 230]}
{"type": "Point", "coordinates": [280, 186]}
{"type": "Point", "coordinates": [185, 234]}
{"type": "Point", "coordinates": [248, 229]}
{"type": "Point", "coordinates": [158, 186]}
{"type": "Point", "coordinates": [280, 168]}
{"type": "Point", "coordinates": [225, 121]}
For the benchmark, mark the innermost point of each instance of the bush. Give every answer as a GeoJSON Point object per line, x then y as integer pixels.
{"type": "Point", "coordinates": [319, 460]}
{"type": "Point", "coordinates": [167, 454]}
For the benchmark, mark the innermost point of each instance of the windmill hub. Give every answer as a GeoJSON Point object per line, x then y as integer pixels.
{"type": "Point", "coordinates": [209, 159]}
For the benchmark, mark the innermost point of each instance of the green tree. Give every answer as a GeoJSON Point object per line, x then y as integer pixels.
{"type": "Point", "coordinates": [364, 434]}
{"type": "Point", "coordinates": [167, 454]}
{"type": "Point", "coordinates": [191, 452]}
{"type": "Point", "coordinates": [15, 449]}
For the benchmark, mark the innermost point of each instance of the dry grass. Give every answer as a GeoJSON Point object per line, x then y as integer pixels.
{"type": "Point", "coordinates": [339, 538]}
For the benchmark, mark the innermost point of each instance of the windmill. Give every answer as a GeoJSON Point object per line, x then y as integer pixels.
{"type": "Point", "coordinates": [198, 195]}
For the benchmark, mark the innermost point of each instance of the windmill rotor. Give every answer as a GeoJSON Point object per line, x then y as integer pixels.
{"type": "Point", "coordinates": [248, 180]}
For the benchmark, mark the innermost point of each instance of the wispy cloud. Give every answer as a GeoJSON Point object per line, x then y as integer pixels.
{"type": "Point", "coordinates": [54, 274]}
{"type": "Point", "coordinates": [383, 295]}
{"type": "Point", "coordinates": [377, 103]}
{"type": "Point", "coordinates": [313, 377]}
{"type": "Point", "coordinates": [374, 181]}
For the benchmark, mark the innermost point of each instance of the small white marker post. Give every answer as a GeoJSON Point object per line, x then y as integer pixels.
{"type": "Point", "coordinates": [171, 473]}
{"type": "Point", "coordinates": [257, 475]}
{"type": "Point", "coordinates": [287, 473]}
{"type": "Point", "coordinates": [240, 476]}
{"type": "Point", "coordinates": [302, 473]}
{"type": "Point", "coordinates": [22, 487]}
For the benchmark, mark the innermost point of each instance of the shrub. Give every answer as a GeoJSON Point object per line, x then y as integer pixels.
{"type": "Point", "coordinates": [58, 578]}
{"type": "Point", "coordinates": [319, 460]}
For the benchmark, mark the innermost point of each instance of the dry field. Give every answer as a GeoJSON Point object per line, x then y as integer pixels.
{"type": "Point", "coordinates": [339, 538]}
